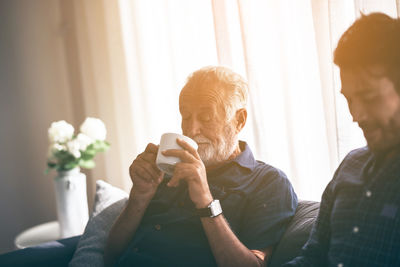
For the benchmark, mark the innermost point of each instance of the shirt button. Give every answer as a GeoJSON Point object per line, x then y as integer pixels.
{"type": "Point", "coordinates": [135, 250]}
{"type": "Point", "coordinates": [157, 227]}
{"type": "Point", "coordinates": [340, 265]}
{"type": "Point", "coordinates": [181, 203]}
{"type": "Point", "coordinates": [368, 193]}
{"type": "Point", "coordinates": [355, 229]}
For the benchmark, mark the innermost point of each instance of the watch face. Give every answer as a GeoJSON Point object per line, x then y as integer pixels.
{"type": "Point", "coordinates": [212, 210]}
{"type": "Point", "coordinates": [215, 208]}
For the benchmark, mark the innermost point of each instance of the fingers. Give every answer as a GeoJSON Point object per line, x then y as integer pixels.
{"type": "Point", "coordinates": [159, 178]}
{"type": "Point", "coordinates": [187, 154]}
{"type": "Point", "coordinates": [188, 147]}
{"type": "Point", "coordinates": [190, 161]}
{"type": "Point", "coordinates": [145, 166]}
{"type": "Point", "coordinates": [174, 182]}
{"type": "Point", "coordinates": [151, 148]}
{"type": "Point", "coordinates": [187, 171]}
{"type": "Point", "coordinates": [149, 155]}
{"type": "Point", "coordinates": [143, 173]}
{"type": "Point", "coordinates": [182, 171]}
{"type": "Point", "coordinates": [184, 155]}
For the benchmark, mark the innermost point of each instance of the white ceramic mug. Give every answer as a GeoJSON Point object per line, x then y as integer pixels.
{"type": "Point", "coordinates": [168, 141]}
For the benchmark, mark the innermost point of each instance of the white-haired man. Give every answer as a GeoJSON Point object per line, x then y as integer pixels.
{"type": "Point", "coordinates": [173, 221]}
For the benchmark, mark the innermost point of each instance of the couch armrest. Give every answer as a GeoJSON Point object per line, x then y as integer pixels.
{"type": "Point", "coordinates": [53, 253]}
{"type": "Point", "coordinates": [296, 234]}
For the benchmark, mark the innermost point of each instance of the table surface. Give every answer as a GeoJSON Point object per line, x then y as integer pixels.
{"type": "Point", "coordinates": [38, 234]}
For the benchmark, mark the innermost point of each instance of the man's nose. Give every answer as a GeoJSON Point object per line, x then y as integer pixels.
{"type": "Point", "coordinates": [193, 128]}
{"type": "Point", "coordinates": [358, 112]}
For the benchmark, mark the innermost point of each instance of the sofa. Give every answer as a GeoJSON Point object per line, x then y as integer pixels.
{"type": "Point", "coordinates": [60, 252]}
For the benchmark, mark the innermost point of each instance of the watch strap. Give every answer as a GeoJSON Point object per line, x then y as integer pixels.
{"type": "Point", "coordinates": [204, 212]}
{"type": "Point", "coordinates": [211, 211]}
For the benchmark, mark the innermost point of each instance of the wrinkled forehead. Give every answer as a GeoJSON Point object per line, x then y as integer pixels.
{"type": "Point", "coordinates": [202, 96]}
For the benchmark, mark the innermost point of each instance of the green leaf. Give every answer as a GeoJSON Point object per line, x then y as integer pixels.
{"type": "Point", "coordinates": [64, 157]}
{"type": "Point", "coordinates": [87, 164]}
{"type": "Point", "coordinates": [101, 146]}
{"type": "Point", "coordinates": [88, 154]}
{"type": "Point", "coordinates": [107, 145]}
{"type": "Point", "coordinates": [97, 145]}
{"type": "Point", "coordinates": [70, 165]}
{"type": "Point", "coordinates": [51, 164]}
{"type": "Point", "coordinates": [89, 147]}
{"type": "Point", "coordinates": [104, 146]}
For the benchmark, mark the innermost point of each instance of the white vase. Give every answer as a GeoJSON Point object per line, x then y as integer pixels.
{"type": "Point", "coordinates": [71, 198]}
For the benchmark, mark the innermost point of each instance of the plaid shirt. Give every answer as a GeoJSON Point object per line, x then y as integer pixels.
{"type": "Point", "coordinates": [359, 219]}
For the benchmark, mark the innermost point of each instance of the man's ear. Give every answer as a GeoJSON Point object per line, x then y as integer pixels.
{"type": "Point", "coordinates": [241, 117]}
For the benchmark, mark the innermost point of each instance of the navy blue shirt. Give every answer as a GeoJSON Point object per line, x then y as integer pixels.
{"type": "Point", "coordinates": [359, 219]}
{"type": "Point", "coordinates": [257, 201]}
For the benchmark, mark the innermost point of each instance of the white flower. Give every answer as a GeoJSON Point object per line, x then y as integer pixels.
{"type": "Point", "coordinates": [73, 148]}
{"type": "Point", "coordinates": [84, 141]}
{"type": "Point", "coordinates": [60, 132]}
{"type": "Point", "coordinates": [55, 148]}
{"type": "Point", "coordinates": [94, 128]}
{"type": "Point", "coordinates": [58, 147]}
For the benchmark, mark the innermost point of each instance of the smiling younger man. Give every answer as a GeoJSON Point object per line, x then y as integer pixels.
{"type": "Point", "coordinates": [359, 219]}
{"type": "Point", "coordinates": [168, 220]}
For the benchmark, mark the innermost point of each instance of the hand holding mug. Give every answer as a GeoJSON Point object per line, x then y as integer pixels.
{"type": "Point", "coordinates": [187, 165]}
{"type": "Point", "coordinates": [144, 173]}
{"type": "Point", "coordinates": [169, 141]}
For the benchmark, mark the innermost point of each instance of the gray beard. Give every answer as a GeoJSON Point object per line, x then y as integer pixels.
{"type": "Point", "coordinates": [211, 155]}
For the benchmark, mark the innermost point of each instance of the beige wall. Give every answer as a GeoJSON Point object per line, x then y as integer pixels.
{"type": "Point", "coordinates": [34, 91]}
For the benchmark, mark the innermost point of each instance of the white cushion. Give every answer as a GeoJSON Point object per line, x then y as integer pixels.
{"type": "Point", "coordinates": [109, 203]}
{"type": "Point", "coordinates": [106, 195]}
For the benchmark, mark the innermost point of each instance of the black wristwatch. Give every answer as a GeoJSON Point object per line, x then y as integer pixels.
{"type": "Point", "coordinates": [212, 210]}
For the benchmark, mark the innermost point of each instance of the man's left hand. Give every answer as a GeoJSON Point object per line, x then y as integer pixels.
{"type": "Point", "coordinates": [192, 170]}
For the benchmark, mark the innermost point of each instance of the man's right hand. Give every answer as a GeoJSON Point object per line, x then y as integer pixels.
{"type": "Point", "coordinates": [145, 174]}
{"type": "Point", "coordinates": [145, 177]}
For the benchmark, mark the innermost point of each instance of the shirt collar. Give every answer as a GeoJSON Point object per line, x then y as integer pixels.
{"type": "Point", "coordinates": [245, 158]}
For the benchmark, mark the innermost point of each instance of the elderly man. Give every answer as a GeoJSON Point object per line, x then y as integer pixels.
{"type": "Point", "coordinates": [175, 221]}
{"type": "Point", "coordinates": [359, 219]}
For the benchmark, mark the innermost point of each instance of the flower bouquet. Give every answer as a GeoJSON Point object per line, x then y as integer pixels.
{"type": "Point", "coordinates": [68, 151]}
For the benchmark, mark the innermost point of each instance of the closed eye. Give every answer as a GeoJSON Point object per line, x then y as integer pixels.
{"type": "Point", "coordinates": [205, 117]}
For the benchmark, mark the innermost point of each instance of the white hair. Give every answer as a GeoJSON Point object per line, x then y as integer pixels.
{"type": "Point", "coordinates": [230, 86]}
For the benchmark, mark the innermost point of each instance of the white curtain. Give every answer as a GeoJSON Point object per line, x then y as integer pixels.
{"type": "Point", "coordinates": [298, 121]}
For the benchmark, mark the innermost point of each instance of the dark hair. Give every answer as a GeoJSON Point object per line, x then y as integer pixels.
{"type": "Point", "coordinates": [372, 39]}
